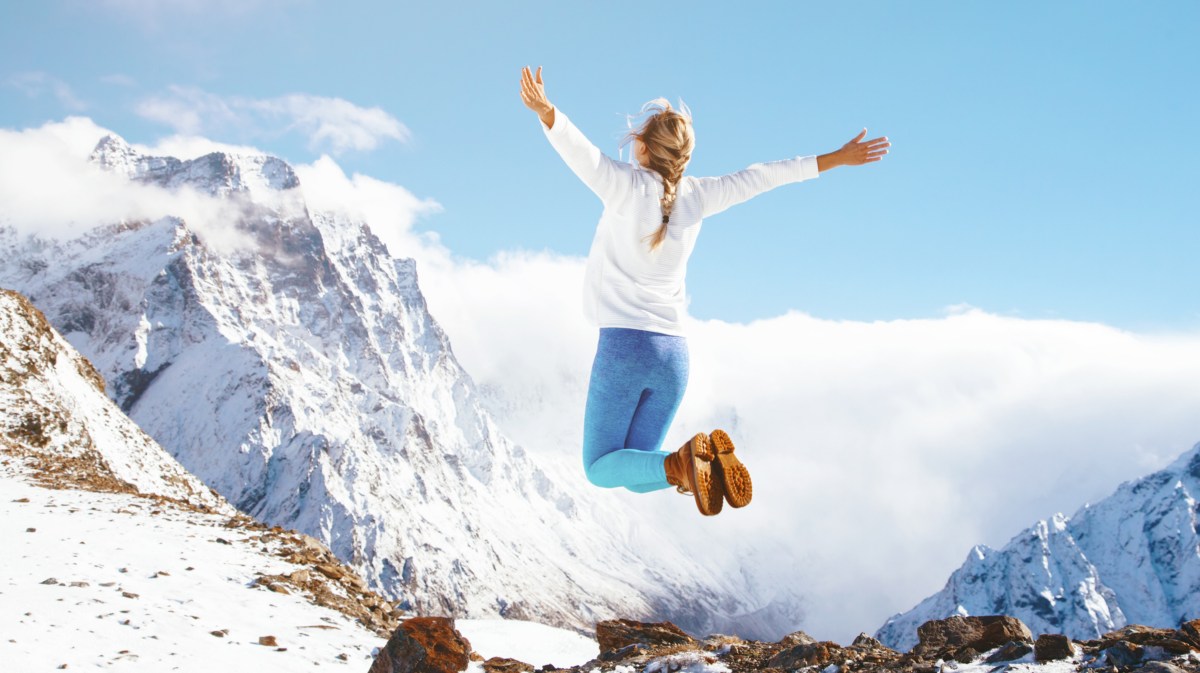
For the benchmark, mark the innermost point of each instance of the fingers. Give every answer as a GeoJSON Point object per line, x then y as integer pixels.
{"type": "Point", "coordinates": [859, 136]}
{"type": "Point", "coordinates": [539, 75]}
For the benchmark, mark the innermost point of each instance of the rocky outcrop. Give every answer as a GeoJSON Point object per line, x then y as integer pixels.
{"type": "Point", "coordinates": [617, 634]}
{"type": "Point", "coordinates": [964, 638]}
{"type": "Point", "coordinates": [997, 642]}
{"type": "Point", "coordinates": [424, 645]}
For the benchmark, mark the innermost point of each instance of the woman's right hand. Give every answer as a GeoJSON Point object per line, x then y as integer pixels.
{"type": "Point", "coordinates": [533, 93]}
{"type": "Point", "coordinates": [855, 153]}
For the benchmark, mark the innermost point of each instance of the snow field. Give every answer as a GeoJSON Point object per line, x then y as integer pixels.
{"type": "Point", "coordinates": [535, 644]}
{"type": "Point", "coordinates": [144, 591]}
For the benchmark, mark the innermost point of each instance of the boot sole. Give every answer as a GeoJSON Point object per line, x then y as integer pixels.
{"type": "Point", "coordinates": [709, 494]}
{"type": "Point", "coordinates": [731, 471]}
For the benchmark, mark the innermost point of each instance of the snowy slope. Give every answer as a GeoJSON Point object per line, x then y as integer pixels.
{"type": "Point", "coordinates": [304, 379]}
{"type": "Point", "coordinates": [53, 413]}
{"type": "Point", "coordinates": [1132, 558]}
{"type": "Point", "coordinates": [112, 580]}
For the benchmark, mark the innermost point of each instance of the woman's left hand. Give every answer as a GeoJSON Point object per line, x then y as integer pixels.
{"type": "Point", "coordinates": [533, 93]}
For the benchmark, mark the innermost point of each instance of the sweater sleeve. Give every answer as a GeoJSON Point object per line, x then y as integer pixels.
{"type": "Point", "coordinates": [609, 179]}
{"type": "Point", "coordinates": [718, 194]}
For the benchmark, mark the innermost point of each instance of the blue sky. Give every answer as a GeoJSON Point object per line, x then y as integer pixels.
{"type": "Point", "coordinates": [1041, 151]}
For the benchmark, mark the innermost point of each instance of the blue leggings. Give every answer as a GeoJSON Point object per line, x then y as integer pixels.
{"type": "Point", "coordinates": [637, 382]}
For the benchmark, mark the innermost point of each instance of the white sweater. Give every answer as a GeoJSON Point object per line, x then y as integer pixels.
{"type": "Point", "coordinates": [627, 285]}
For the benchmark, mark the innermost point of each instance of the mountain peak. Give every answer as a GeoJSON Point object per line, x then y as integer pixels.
{"type": "Point", "coordinates": [217, 173]}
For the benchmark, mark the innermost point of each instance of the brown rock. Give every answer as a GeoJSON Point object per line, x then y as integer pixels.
{"type": "Point", "coordinates": [797, 638]}
{"type": "Point", "coordinates": [864, 640]}
{"type": "Point", "coordinates": [1137, 633]}
{"type": "Point", "coordinates": [423, 645]}
{"type": "Point", "coordinates": [813, 654]}
{"type": "Point", "coordinates": [1124, 653]}
{"type": "Point", "coordinates": [504, 665]}
{"type": "Point", "coordinates": [331, 571]}
{"type": "Point", "coordinates": [955, 636]}
{"type": "Point", "coordinates": [1010, 652]}
{"type": "Point", "coordinates": [1052, 647]}
{"type": "Point", "coordinates": [269, 641]}
{"type": "Point", "coordinates": [1191, 631]}
{"type": "Point", "coordinates": [613, 634]}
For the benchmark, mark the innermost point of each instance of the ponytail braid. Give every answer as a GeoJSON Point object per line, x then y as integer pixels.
{"type": "Point", "coordinates": [670, 186]}
{"type": "Point", "coordinates": [668, 139]}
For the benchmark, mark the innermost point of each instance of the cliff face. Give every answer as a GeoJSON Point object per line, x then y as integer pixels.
{"type": "Point", "coordinates": [1132, 558]}
{"type": "Point", "coordinates": [296, 369]}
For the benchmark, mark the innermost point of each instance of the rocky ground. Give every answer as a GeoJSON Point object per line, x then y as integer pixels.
{"type": "Point", "coordinates": [995, 644]}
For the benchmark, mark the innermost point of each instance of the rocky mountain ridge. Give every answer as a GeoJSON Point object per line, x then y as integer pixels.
{"type": "Point", "coordinates": [991, 644]}
{"type": "Point", "coordinates": [1131, 558]}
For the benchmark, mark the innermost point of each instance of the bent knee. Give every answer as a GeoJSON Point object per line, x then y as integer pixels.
{"type": "Point", "coordinates": [596, 476]}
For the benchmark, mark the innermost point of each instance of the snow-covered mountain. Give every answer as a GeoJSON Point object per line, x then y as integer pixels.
{"type": "Point", "coordinates": [296, 369]}
{"type": "Point", "coordinates": [1132, 558]}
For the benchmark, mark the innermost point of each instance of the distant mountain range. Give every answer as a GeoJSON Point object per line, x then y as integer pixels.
{"type": "Point", "coordinates": [1132, 558]}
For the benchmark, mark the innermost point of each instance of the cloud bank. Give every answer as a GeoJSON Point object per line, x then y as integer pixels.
{"type": "Point", "coordinates": [48, 188]}
{"type": "Point", "coordinates": [881, 451]}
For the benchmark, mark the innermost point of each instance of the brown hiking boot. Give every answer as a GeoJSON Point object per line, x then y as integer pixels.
{"type": "Point", "coordinates": [730, 472]}
{"type": "Point", "coordinates": [689, 470]}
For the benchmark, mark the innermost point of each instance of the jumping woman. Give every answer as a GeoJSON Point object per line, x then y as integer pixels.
{"type": "Point", "coordinates": [634, 291]}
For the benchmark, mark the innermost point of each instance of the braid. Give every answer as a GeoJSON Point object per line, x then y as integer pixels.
{"type": "Point", "coordinates": [670, 186]}
{"type": "Point", "coordinates": [668, 141]}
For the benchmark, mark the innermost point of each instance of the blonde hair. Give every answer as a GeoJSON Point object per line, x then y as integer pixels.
{"type": "Point", "coordinates": [669, 139]}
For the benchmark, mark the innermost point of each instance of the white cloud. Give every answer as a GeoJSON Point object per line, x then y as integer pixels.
{"type": "Point", "coordinates": [37, 84]}
{"type": "Point", "coordinates": [389, 208]}
{"type": "Point", "coordinates": [48, 188]}
{"type": "Point", "coordinates": [332, 123]}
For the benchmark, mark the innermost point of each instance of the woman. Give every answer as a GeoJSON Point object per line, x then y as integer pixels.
{"type": "Point", "coordinates": [634, 291]}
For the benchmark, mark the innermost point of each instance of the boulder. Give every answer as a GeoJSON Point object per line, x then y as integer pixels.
{"type": "Point", "coordinates": [1123, 653]}
{"type": "Point", "coordinates": [1009, 652]}
{"type": "Point", "coordinates": [424, 645]}
{"type": "Point", "coordinates": [1191, 631]}
{"type": "Point", "coordinates": [797, 638]}
{"type": "Point", "coordinates": [963, 638]}
{"type": "Point", "coordinates": [1053, 647]}
{"type": "Point", "coordinates": [505, 665]}
{"type": "Point", "coordinates": [819, 654]}
{"type": "Point", "coordinates": [614, 634]}
{"type": "Point", "coordinates": [864, 640]}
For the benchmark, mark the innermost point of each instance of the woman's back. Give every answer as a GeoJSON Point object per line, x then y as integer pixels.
{"type": "Point", "coordinates": [629, 283]}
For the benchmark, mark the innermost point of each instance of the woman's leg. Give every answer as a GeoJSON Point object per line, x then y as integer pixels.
{"type": "Point", "coordinates": [638, 379]}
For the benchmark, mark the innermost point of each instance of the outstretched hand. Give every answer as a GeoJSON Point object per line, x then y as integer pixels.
{"type": "Point", "coordinates": [858, 152]}
{"type": "Point", "coordinates": [855, 153]}
{"type": "Point", "coordinates": [533, 93]}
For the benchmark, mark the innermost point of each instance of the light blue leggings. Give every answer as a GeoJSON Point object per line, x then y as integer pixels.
{"type": "Point", "coordinates": [637, 383]}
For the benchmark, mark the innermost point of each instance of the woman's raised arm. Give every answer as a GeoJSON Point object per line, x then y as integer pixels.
{"type": "Point", "coordinates": [611, 180]}
{"type": "Point", "coordinates": [718, 194]}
